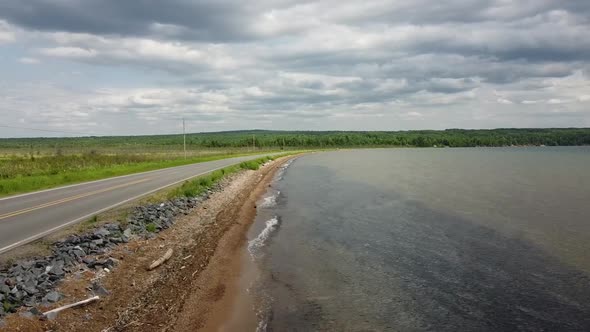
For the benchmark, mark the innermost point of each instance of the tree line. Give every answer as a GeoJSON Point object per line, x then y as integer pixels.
{"type": "Point", "coordinates": [324, 139]}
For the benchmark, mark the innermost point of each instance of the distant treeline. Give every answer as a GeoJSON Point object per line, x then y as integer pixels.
{"type": "Point", "coordinates": [321, 139]}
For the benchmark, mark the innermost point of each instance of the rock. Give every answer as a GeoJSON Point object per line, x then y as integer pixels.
{"type": "Point", "coordinates": [127, 232]}
{"type": "Point", "coordinates": [44, 285]}
{"type": "Point", "coordinates": [79, 253]}
{"type": "Point", "coordinates": [18, 295]}
{"type": "Point", "coordinates": [101, 232]}
{"type": "Point", "coordinates": [99, 290]}
{"type": "Point", "coordinates": [89, 261]}
{"type": "Point", "coordinates": [5, 289]}
{"type": "Point", "coordinates": [111, 262]}
{"type": "Point", "coordinates": [27, 265]}
{"type": "Point", "coordinates": [31, 290]}
{"type": "Point", "coordinates": [51, 316]}
{"type": "Point", "coordinates": [117, 240]}
{"type": "Point", "coordinates": [98, 242]}
{"type": "Point", "coordinates": [35, 312]}
{"type": "Point", "coordinates": [57, 270]}
{"type": "Point", "coordinates": [16, 270]}
{"type": "Point", "coordinates": [52, 297]}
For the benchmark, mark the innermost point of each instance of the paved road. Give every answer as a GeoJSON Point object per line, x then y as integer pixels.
{"type": "Point", "coordinates": [27, 217]}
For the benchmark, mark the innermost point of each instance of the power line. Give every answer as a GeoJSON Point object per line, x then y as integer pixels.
{"type": "Point", "coordinates": [49, 130]}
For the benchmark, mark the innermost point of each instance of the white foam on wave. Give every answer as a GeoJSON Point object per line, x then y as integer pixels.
{"type": "Point", "coordinates": [260, 241]}
{"type": "Point", "coordinates": [262, 326]}
{"type": "Point", "coordinates": [283, 168]}
{"type": "Point", "coordinates": [270, 201]}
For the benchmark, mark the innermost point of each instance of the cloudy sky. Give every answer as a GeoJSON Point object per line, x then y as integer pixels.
{"type": "Point", "coordinates": [139, 67]}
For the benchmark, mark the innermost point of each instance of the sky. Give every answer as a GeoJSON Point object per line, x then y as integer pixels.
{"type": "Point", "coordinates": [113, 67]}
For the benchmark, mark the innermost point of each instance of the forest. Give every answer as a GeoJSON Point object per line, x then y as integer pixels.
{"type": "Point", "coordinates": [310, 139]}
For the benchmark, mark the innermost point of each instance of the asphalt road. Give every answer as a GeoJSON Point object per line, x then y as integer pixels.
{"type": "Point", "coordinates": [24, 218]}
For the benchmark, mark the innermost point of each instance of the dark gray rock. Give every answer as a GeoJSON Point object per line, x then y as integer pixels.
{"type": "Point", "coordinates": [111, 262]}
{"type": "Point", "coordinates": [57, 270]}
{"type": "Point", "coordinates": [4, 289]}
{"type": "Point", "coordinates": [79, 253]}
{"type": "Point", "coordinates": [89, 261]}
{"type": "Point", "coordinates": [27, 264]}
{"type": "Point", "coordinates": [52, 297]}
{"type": "Point", "coordinates": [44, 286]}
{"type": "Point", "coordinates": [101, 232]}
{"type": "Point", "coordinates": [31, 290]}
{"type": "Point", "coordinates": [99, 290]}
{"type": "Point", "coordinates": [35, 312]}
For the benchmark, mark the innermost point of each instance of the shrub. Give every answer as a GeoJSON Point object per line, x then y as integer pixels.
{"type": "Point", "coordinates": [151, 227]}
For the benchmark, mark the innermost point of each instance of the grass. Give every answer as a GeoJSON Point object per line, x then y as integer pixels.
{"type": "Point", "coordinates": [151, 227]}
{"type": "Point", "coordinates": [201, 184]}
{"type": "Point", "coordinates": [88, 224]}
{"type": "Point", "coordinates": [21, 175]}
{"type": "Point", "coordinates": [7, 306]}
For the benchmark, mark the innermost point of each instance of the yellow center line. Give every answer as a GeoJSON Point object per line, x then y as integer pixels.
{"type": "Point", "coordinates": [68, 199]}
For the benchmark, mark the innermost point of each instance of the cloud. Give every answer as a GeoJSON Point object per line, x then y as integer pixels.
{"type": "Point", "coordinates": [6, 34]}
{"type": "Point", "coordinates": [29, 61]}
{"type": "Point", "coordinates": [373, 64]}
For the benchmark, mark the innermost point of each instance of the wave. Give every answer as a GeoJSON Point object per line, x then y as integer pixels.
{"type": "Point", "coordinates": [283, 168]}
{"type": "Point", "coordinates": [270, 201]}
{"type": "Point", "coordinates": [261, 240]}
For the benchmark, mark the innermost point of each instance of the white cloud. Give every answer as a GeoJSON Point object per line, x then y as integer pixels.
{"type": "Point", "coordinates": [29, 61]}
{"type": "Point", "coordinates": [69, 52]}
{"type": "Point", "coordinates": [504, 101]}
{"type": "Point", "coordinates": [6, 33]}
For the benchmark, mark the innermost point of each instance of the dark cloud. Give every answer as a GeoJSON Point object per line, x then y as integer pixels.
{"type": "Point", "coordinates": [203, 20]}
{"type": "Point", "coordinates": [230, 60]}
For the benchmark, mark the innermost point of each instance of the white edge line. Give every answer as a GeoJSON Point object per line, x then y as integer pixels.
{"type": "Point", "coordinates": [40, 235]}
{"type": "Point", "coordinates": [117, 177]}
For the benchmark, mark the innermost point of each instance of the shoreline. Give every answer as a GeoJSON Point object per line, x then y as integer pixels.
{"type": "Point", "coordinates": [188, 291]}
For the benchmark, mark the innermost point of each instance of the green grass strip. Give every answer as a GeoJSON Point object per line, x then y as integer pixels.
{"type": "Point", "coordinates": [193, 188]}
{"type": "Point", "coordinates": [24, 184]}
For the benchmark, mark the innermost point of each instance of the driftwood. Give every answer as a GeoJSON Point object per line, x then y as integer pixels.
{"type": "Point", "coordinates": [51, 314]}
{"type": "Point", "coordinates": [161, 260]}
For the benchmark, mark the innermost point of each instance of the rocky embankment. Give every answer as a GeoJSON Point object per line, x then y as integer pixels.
{"type": "Point", "coordinates": [32, 283]}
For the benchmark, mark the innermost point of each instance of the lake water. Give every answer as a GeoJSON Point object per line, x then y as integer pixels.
{"type": "Point", "coordinates": [474, 239]}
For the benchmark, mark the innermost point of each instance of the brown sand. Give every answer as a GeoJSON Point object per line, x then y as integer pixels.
{"type": "Point", "coordinates": [193, 291]}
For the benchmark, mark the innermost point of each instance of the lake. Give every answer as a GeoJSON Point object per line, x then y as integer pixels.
{"type": "Point", "coordinates": [467, 239]}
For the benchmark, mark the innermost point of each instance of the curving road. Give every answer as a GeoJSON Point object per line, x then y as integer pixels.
{"type": "Point", "coordinates": [27, 217]}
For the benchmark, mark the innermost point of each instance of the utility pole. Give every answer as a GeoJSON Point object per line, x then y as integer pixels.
{"type": "Point", "coordinates": [184, 136]}
{"type": "Point", "coordinates": [254, 142]}
{"type": "Point", "coordinates": [283, 143]}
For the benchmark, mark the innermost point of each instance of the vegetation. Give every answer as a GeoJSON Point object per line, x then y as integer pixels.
{"type": "Point", "coordinates": [151, 227]}
{"type": "Point", "coordinates": [19, 174]}
{"type": "Point", "coordinates": [199, 185]}
{"type": "Point", "coordinates": [244, 140]}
